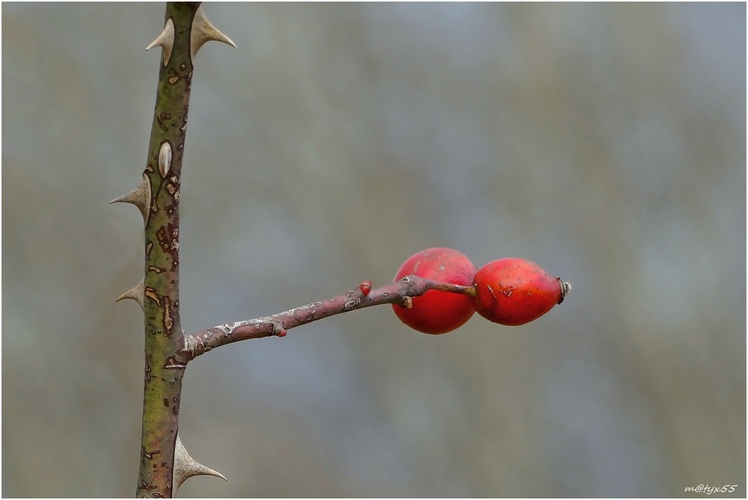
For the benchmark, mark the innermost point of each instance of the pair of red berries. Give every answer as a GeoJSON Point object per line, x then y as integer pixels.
{"type": "Point", "coordinates": [507, 291]}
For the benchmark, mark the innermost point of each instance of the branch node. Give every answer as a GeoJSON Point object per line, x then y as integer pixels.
{"type": "Point", "coordinates": [365, 287]}
{"type": "Point", "coordinates": [277, 329]}
{"type": "Point", "coordinates": [173, 364]}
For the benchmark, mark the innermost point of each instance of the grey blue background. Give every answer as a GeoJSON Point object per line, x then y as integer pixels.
{"type": "Point", "coordinates": [604, 141]}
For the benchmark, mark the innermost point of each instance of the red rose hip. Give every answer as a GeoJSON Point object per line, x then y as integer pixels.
{"type": "Point", "coordinates": [437, 312]}
{"type": "Point", "coordinates": [516, 291]}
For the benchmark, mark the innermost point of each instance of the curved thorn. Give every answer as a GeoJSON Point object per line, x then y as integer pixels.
{"type": "Point", "coordinates": [185, 467]}
{"type": "Point", "coordinates": [135, 293]}
{"type": "Point", "coordinates": [165, 40]}
{"type": "Point", "coordinates": [203, 31]}
{"type": "Point", "coordinates": [140, 197]}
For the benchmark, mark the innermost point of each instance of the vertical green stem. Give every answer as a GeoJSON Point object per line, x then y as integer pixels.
{"type": "Point", "coordinates": [164, 366]}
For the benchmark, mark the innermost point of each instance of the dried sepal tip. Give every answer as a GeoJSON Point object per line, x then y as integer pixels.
{"type": "Point", "coordinates": [165, 40]}
{"type": "Point", "coordinates": [185, 467]}
{"type": "Point", "coordinates": [135, 293]}
{"type": "Point", "coordinates": [140, 197]}
{"type": "Point", "coordinates": [203, 31]}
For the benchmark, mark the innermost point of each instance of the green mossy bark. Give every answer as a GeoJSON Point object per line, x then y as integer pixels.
{"type": "Point", "coordinates": [164, 339]}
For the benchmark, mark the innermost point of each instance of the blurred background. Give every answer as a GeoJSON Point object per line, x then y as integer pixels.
{"type": "Point", "coordinates": [605, 142]}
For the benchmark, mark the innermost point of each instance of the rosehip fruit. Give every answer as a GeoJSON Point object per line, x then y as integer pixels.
{"type": "Point", "coordinates": [516, 291]}
{"type": "Point", "coordinates": [437, 312]}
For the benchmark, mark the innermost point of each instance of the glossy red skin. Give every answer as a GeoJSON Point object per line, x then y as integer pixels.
{"type": "Point", "coordinates": [515, 291]}
{"type": "Point", "coordinates": [437, 312]}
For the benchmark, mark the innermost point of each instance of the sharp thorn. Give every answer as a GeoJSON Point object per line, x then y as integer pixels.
{"type": "Point", "coordinates": [135, 293]}
{"type": "Point", "coordinates": [140, 197]}
{"type": "Point", "coordinates": [185, 467]}
{"type": "Point", "coordinates": [165, 40]}
{"type": "Point", "coordinates": [203, 31]}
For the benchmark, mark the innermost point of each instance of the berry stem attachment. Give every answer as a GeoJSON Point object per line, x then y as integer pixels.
{"type": "Point", "coordinates": [278, 324]}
